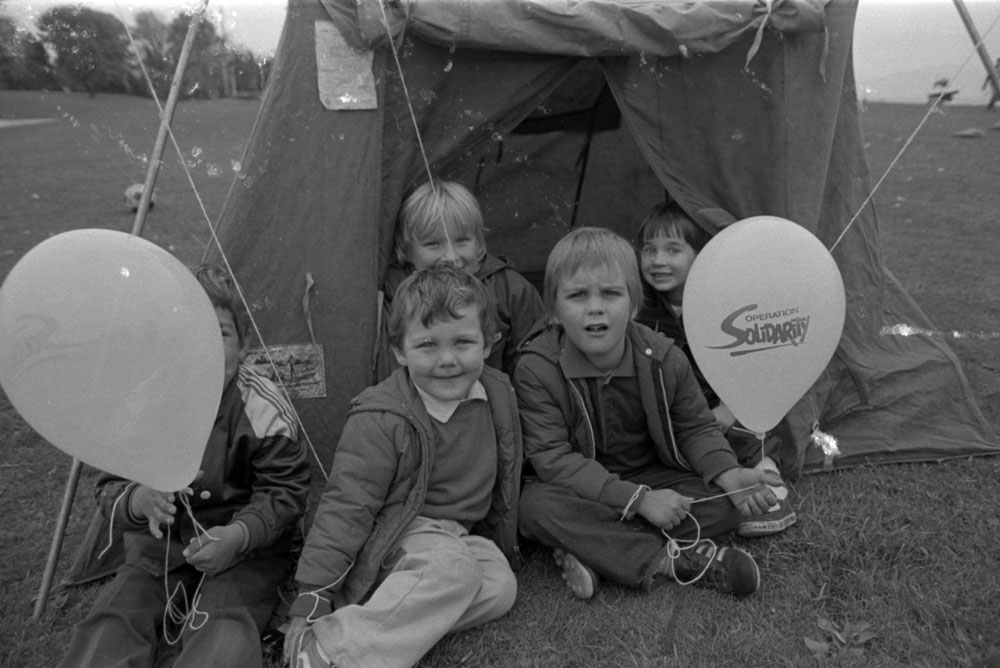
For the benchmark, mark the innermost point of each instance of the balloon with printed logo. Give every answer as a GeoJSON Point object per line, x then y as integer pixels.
{"type": "Point", "coordinates": [111, 351]}
{"type": "Point", "coordinates": [763, 313]}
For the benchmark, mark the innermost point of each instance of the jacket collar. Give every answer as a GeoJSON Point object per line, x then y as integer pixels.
{"type": "Point", "coordinates": [443, 410]}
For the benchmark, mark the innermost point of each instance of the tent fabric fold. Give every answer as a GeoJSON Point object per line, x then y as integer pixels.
{"type": "Point", "coordinates": [591, 28]}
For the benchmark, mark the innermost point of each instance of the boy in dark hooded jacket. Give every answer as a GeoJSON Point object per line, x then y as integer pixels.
{"type": "Point", "coordinates": [634, 475]}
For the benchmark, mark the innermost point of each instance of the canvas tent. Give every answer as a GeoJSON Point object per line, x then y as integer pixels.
{"type": "Point", "coordinates": [560, 114]}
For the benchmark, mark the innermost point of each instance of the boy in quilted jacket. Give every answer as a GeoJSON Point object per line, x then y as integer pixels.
{"type": "Point", "coordinates": [415, 532]}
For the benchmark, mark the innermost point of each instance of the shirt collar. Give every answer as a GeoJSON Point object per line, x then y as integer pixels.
{"type": "Point", "coordinates": [576, 365]}
{"type": "Point", "coordinates": [443, 410]}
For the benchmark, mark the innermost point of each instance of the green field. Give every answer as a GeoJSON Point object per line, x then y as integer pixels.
{"type": "Point", "coordinates": [889, 566]}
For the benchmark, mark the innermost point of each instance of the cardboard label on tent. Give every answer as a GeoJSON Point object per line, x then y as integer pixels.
{"type": "Point", "coordinates": [301, 370]}
{"type": "Point", "coordinates": [344, 76]}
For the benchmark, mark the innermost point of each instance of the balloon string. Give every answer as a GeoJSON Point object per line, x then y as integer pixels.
{"type": "Point", "coordinates": [931, 109]}
{"type": "Point", "coordinates": [111, 522]}
{"type": "Point", "coordinates": [222, 253]}
{"type": "Point", "coordinates": [185, 613]}
{"type": "Point", "coordinates": [719, 496]}
{"type": "Point", "coordinates": [416, 124]}
{"type": "Point", "coordinates": [675, 546]}
{"type": "Point", "coordinates": [199, 530]}
{"type": "Point", "coordinates": [406, 92]}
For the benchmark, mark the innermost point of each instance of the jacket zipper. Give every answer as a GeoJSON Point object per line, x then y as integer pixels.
{"type": "Point", "coordinates": [670, 425]}
{"type": "Point", "coordinates": [586, 418]}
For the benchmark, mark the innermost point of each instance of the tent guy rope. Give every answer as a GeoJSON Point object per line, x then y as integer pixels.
{"type": "Point", "coordinates": [222, 253]}
{"type": "Point", "coordinates": [909, 140]}
{"type": "Point", "coordinates": [413, 117]}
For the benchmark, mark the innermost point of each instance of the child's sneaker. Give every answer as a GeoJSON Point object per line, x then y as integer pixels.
{"type": "Point", "coordinates": [778, 517]}
{"type": "Point", "coordinates": [582, 581]}
{"type": "Point", "coordinates": [728, 569]}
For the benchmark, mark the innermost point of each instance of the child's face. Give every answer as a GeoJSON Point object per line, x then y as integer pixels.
{"type": "Point", "coordinates": [664, 262]}
{"type": "Point", "coordinates": [230, 342]}
{"type": "Point", "coordinates": [594, 308]}
{"type": "Point", "coordinates": [445, 358]}
{"type": "Point", "coordinates": [463, 251]}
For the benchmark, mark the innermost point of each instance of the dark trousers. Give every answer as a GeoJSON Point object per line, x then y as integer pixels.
{"type": "Point", "coordinates": [628, 552]}
{"type": "Point", "coordinates": [124, 628]}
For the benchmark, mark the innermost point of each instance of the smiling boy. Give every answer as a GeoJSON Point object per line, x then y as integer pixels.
{"type": "Point", "coordinates": [441, 222]}
{"type": "Point", "coordinates": [412, 536]}
{"type": "Point", "coordinates": [634, 475]}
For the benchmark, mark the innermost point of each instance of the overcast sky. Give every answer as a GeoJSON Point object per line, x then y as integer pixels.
{"type": "Point", "coordinates": [901, 46]}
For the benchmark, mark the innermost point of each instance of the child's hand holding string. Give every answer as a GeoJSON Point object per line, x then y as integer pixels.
{"type": "Point", "coordinates": [748, 489]}
{"type": "Point", "coordinates": [664, 508]}
{"type": "Point", "coordinates": [215, 550]}
{"type": "Point", "coordinates": [154, 506]}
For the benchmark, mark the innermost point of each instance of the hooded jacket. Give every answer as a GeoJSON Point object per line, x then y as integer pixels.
{"type": "Point", "coordinates": [658, 316]}
{"type": "Point", "coordinates": [516, 308]}
{"type": "Point", "coordinates": [557, 416]}
{"type": "Point", "coordinates": [377, 487]}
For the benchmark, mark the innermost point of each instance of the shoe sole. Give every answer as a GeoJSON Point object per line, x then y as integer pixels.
{"type": "Point", "coordinates": [580, 579]}
{"type": "Point", "coordinates": [767, 527]}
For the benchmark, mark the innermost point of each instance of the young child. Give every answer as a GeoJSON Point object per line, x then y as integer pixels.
{"type": "Point", "coordinates": [634, 474]}
{"type": "Point", "coordinates": [410, 537]}
{"type": "Point", "coordinates": [441, 222]}
{"type": "Point", "coordinates": [222, 576]}
{"type": "Point", "coordinates": [667, 243]}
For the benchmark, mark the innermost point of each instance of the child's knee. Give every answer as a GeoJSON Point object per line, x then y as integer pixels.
{"type": "Point", "coordinates": [225, 640]}
{"type": "Point", "coordinates": [503, 591]}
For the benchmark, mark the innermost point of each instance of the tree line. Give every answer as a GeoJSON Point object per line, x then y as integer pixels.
{"type": "Point", "coordinates": [77, 48]}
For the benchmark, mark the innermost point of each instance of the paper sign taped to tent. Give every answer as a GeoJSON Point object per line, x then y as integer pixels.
{"type": "Point", "coordinates": [343, 74]}
{"type": "Point", "coordinates": [300, 368]}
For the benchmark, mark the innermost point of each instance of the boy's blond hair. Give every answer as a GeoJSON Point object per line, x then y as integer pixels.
{"type": "Point", "coordinates": [221, 291]}
{"type": "Point", "coordinates": [435, 203]}
{"type": "Point", "coordinates": [590, 248]}
{"type": "Point", "coordinates": [437, 293]}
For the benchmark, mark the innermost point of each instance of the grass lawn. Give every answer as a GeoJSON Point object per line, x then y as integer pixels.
{"type": "Point", "coordinates": [889, 566]}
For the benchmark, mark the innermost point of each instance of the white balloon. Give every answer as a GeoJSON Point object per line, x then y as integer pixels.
{"type": "Point", "coordinates": [763, 313]}
{"type": "Point", "coordinates": [111, 350]}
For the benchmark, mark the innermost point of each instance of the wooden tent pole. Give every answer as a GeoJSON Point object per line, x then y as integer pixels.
{"type": "Point", "coordinates": [991, 70]}
{"type": "Point", "coordinates": [137, 227]}
{"type": "Point", "coordinates": [57, 539]}
{"type": "Point", "coordinates": [167, 118]}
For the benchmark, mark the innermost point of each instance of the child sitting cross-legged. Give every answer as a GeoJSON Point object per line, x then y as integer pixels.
{"type": "Point", "coordinates": [204, 583]}
{"type": "Point", "coordinates": [634, 476]}
{"type": "Point", "coordinates": [413, 533]}
{"type": "Point", "coordinates": [668, 243]}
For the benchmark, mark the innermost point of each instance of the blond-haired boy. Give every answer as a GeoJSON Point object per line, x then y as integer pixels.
{"type": "Point", "coordinates": [441, 221]}
{"type": "Point", "coordinates": [634, 475]}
